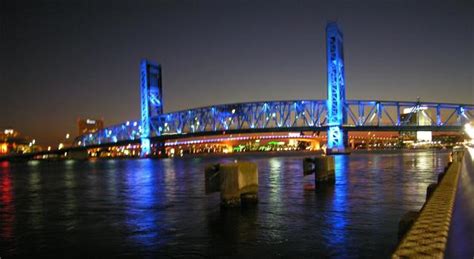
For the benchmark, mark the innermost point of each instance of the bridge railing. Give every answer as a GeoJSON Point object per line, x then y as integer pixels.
{"type": "Point", "coordinates": [296, 114]}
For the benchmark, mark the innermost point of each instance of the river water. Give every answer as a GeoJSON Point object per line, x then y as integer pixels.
{"type": "Point", "coordinates": [151, 208]}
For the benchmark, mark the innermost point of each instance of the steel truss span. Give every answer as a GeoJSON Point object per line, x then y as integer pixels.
{"type": "Point", "coordinates": [288, 116]}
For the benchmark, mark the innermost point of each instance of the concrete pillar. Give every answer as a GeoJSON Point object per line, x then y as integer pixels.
{"type": "Point", "coordinates": [322, 167]}
{"type": "Point", "coordinates": [211, 175]}
{"type": "Point", "coordinates": [237, 182]}
{"type": "Point", "coordinates": [308, 166]}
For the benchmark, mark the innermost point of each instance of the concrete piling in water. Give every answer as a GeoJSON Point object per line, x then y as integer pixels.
{"type": "Point", "coordinates": [308, 166]}
{"type": "Point", "coordinates": [237, 182]}
{"type": "Point", "coordinates": [322, 167]}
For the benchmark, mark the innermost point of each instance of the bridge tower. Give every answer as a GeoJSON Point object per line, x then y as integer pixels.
{"type": "Point", "coordinates": [336, 115]}
{"type": "Point", "coordinates": [151, 101]}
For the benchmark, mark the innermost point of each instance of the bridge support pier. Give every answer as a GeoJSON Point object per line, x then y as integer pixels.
{"type": "Point", "coordinates": [145, 147]}
{"type": "Point", "coordinates": [237, 182]}
{"type": "Point", "coordinates": [337, 141]}
{"type": "Point", "coordinates": [322, 167]}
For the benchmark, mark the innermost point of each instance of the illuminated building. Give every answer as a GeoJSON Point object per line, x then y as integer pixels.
{"type": "Point", "coordinates": [11, 141]}
{"type": "Point", "coordinates": [417, 116]}
{"type": "Point", "coordinates": [87, 126]}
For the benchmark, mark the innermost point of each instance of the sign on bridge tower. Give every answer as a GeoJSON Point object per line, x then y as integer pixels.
{"type": "Point", "coordinates": [336, 116]}
{"type": "Point", "coordinates": [151, 100]}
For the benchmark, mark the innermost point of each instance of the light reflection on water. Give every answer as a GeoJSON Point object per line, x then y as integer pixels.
{"type": "Point", "coordinates": [7, 208]}
{"type": "Point", "coordinates": [158, 207]}
{"type": "Point", "coordinates": [141, 196]}
{"type": "Point", "coordinates": [338, 219]}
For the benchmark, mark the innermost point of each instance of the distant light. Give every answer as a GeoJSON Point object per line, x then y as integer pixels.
{"type": "Point", "coordinates": [233, 111]}
{"type": "Point", "coordinates": [33, 141]}
{"type": "Point", "coordinates": [88, 121]}
{"type": "Point", "coordinates": [469, 130]}
{"type": "Point", "coordinates": [67, 136]}
{"type": "Point", "coordinates": [135, 124]}
{"type": "Point", "coordinates": [49, 148]}
{"type": "Point", "coordinates": [128, 123]}
{"type": "Point", "coordinates": [414, 109]}
{"type": "Point", "coordinates": [60, 146]}
{"type": "Point", "coordinates": [294, 134]}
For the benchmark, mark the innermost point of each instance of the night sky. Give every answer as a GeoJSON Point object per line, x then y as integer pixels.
{"type": "Point", "coordinates": [61, 60]}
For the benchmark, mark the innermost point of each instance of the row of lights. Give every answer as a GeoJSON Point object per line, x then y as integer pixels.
{"type": "Point", "coordinates": [190, 142]}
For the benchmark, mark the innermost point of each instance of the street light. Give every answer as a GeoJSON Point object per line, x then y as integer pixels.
{"type": "Point", "coordinates": [469, 130]}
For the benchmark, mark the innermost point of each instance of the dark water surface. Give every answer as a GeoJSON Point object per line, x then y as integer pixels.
{"type": "Point", "coordinates": [158, 207]}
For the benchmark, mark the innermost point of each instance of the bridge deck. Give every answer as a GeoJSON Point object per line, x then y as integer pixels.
{"type": "Point", "coordinates": [461, 234]}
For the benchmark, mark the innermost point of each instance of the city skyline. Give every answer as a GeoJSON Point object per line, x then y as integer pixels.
{"type": "Point", "coordinates": [214, 53]}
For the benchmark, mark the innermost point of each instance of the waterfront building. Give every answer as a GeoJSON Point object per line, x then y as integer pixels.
{"type": "Point", "coordinates": [88, 126]}
{"type": "Point", "coordinates": [11, 141]}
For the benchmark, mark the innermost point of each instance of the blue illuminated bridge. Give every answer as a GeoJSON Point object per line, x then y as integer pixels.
{"type": "Point", "coordinates": [335, 115]}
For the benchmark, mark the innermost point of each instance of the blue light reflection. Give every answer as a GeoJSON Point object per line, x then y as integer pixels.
{"type": "Point", "coordinates": [142, 198]}
{"type": "Point", "coordinates": [338, 220]}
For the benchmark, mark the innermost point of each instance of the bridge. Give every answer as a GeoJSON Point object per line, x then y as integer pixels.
{"type": "Point", "coordinates": [283, 116]}
{"type": "Point", "coordinates": [335, 115]}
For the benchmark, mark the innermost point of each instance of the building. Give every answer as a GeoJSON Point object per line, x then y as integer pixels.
{"type": "Point", "coordinates": [416, 117]}
{"type": "Point", "coordinates": [11, 142]}
{"type": "Point", "coordinates": [87, 126]}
